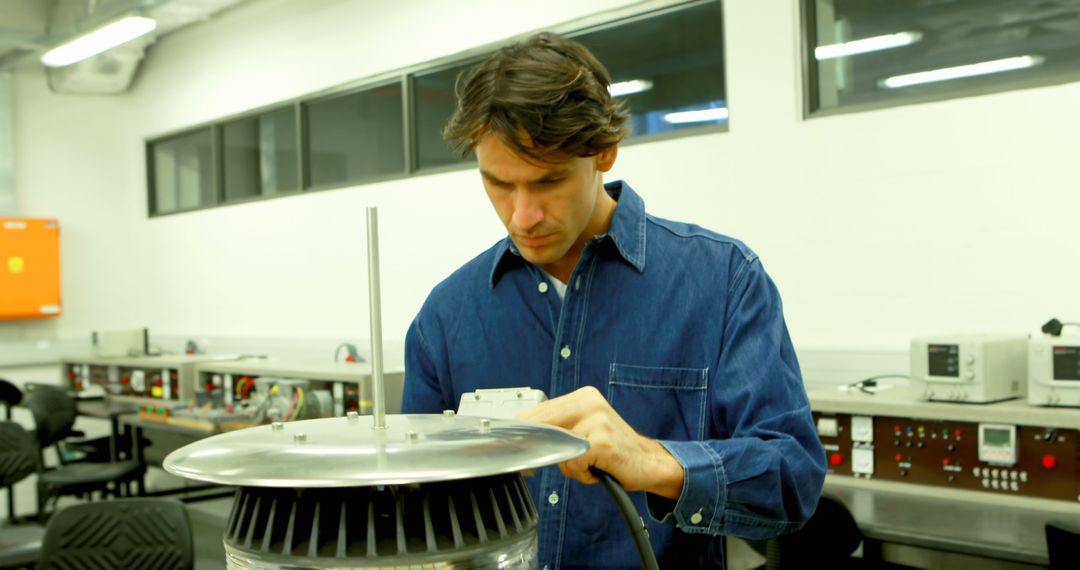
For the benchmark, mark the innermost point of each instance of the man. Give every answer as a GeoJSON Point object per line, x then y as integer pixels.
{"type": "Point", "coordinates": [660, 342]}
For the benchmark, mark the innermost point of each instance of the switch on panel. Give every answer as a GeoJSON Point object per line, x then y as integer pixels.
{"type": "Point", "coordinates": [862, 429]}
{"type": "Point", "coordinates": [862, 460]}
{"type": "Point", "coordinates": [827, 427]}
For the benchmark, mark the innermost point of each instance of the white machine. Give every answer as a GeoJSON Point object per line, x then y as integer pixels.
{"type": "Point", "coordinates": [133, 342]}
{"type": "Point", "coordinates": [1054, 371]}
{"type": "Point", "coordinates": [501, 403]}
{"type": "Point", "coordinates": [974, 368]}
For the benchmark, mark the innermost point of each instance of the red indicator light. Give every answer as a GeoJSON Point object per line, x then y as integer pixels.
{"type": "Point", "coordinates": [836, 459]}
{"type": "Point", "coordinates": [1049, 461]}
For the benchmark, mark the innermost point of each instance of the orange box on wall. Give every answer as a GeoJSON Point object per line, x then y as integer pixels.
{"type": "Point", "coordinates": [29, 268]}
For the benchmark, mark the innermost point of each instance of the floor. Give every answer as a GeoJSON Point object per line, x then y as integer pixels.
{"type": "Point", "coordinates": [208, 528]}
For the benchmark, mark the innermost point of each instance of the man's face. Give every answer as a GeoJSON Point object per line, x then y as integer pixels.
{"type": "Point", "coordinates": [549, 209]}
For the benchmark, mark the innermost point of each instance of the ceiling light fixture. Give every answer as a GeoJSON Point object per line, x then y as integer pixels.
{"type": "Point", "coordinates": [865, 45]}
{"type": "Point", "coordinates": [629, 87]}
{"type": "Point", "coordinates": [698, 116]}
{"type": "Point", "coordinates": [98, 41]}
{"type": "Point", "coordinates": [961, 71]}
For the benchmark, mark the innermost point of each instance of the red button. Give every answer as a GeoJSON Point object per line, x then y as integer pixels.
{"type": "Point", "coordinates": [946, 461]}
{"type": "Point", "coordinates": [899, 457]}
{"type": "Point", "coordinates": [836, 459]}
{"type": "Point", "coordinates": [1049, 461]}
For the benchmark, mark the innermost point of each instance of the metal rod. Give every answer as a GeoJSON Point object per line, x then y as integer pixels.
{"type": "Point", "coordinates": [376, 318]}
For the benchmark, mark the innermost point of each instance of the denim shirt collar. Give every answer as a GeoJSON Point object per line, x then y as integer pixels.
{"type": "Point", "coordinates": [626, 232]}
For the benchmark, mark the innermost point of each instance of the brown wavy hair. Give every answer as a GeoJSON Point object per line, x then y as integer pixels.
{"type": "Point", "coordinates": [546, 96]}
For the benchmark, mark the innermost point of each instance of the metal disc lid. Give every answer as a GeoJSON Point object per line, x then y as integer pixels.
{"type": "Point", "coordinates": [350, 451]}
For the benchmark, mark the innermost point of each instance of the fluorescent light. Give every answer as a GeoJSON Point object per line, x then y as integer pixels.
{"type": "Point", "coordinates": [947, 73]}
{"type": "Point", "coordinates": [99, 40]}
{"type": "Point", "coordinates": [876, 43]}
{"type": "Point", "coordinates": [699, 116]}
{"type": "Point", "coordinates": [629, 87]}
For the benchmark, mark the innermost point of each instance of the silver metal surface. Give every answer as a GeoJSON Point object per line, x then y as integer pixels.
{"type": "Point", "coordinates": [518, 555]}
{"type": "Point", "coordinates": [375, 305]}
{"type": "Point", "coordinates": [345, 452]}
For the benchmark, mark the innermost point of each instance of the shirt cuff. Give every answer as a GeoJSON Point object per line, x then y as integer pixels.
{"type": "Point", "coordinates": [700, 507]}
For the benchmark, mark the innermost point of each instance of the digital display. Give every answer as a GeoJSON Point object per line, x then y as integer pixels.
{"type": "Point", "coordinates": [944, 359]}
{"type": "Point", "coordinates": [1067, 363]}
{"type": "Point", "coordinates": [997, 437]}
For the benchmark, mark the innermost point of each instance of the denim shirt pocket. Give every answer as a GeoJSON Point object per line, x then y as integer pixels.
{"type": "Point", "coordinates": [661, 402]}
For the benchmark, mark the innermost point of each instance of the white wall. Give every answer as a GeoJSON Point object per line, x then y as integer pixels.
{"type": "Point", "coordinates": [944, 217]}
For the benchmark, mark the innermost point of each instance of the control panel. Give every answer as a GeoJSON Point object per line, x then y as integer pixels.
{"type": "Point", "coordinates": [1029, 461]}
{"type": "Point", "coordinates": [140, 382]}
{"type": "Point", "coordinates": [336, 398]}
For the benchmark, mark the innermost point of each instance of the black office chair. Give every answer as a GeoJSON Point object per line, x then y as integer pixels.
{"type": "Point", "coordinates": [76, 446]}
{"type": "Point", "coordinates": [1063, 545]}
{"type": "Point", "coordinates": [827, 540]}
{"type": "Point", "coordinates": [54, 412]}
{"type": "Point", "coordinates": [20, 546]}
{"type": "Point", "coordinates": [134, 534]}
{"type": "Point", "coordinates": [10, 396]}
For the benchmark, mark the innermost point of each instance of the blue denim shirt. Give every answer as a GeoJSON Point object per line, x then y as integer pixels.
{"type": "Point", "coordinates": [682, 330]}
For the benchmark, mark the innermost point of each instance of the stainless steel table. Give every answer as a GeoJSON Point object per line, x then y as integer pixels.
{"type": "Point", "coordinates": [1004, 528]}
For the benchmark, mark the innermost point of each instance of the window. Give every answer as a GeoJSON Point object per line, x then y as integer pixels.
{"type": "Point", "coordinates": [260, 155]}
{"type": "Point", "coordinates": [669, 65]}
{"type": "Point", "coordinates": [435, 102]}
{"type": "Point", "coordinates": [877, 52]}
{"type": "Point", "coordinates": [182, 172]}
{"type": "Point", "coordinates": [356, 136]}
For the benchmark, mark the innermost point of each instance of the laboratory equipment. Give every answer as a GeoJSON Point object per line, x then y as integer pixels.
{"type": "Point", "coordinates": [973, 368]}
{"type": "Point", "coordinates": [1054, 371]}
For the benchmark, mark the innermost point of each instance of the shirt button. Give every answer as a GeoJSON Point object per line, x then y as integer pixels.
{"type": "Point", "coordinates": [542, 287]}
{"type": "Point", "coordinates": [696, 518]}
{"type": "Point", "coordinates": [565, 352]}
{"type": "Point", "coordinates": [553, 498]}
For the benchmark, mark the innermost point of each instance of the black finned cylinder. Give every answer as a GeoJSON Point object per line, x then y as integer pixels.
{"type": "Point", "coordinates": [488, 522]}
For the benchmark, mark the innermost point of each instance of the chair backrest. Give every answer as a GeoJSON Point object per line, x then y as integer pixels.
{"type": "Point", "coordinates": [10, 395]}
{"type": "Point", "coordinates": [135, 534]}
{"type": "Point", "coordinates": [827, 540]}
{"type": "Point", "coordinates": [1061, 544]}
{"type": "Point", "coordinates": [54, 412]}
{"type": "Point", "coordinates": [18, 457]}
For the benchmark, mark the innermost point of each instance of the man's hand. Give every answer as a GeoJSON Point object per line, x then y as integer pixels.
{"type": "Point", "coordinates": [639, 463]}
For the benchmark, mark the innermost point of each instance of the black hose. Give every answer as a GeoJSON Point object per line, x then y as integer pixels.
{"type": "Point", "coordinates": [638, 531]}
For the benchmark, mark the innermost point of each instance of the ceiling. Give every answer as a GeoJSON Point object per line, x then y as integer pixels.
{"type": "Point", "coordinates": [28, 27]}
